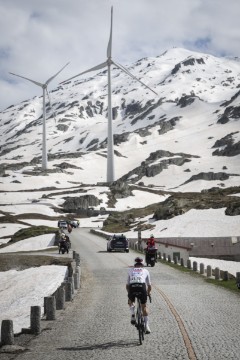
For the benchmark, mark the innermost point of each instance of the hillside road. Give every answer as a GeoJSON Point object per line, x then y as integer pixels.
{"type": "Point", "coordinates": [189, 318]}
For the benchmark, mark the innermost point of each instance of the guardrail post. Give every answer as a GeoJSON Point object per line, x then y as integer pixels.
{"type": "Point", "coordinates": [225, 276]}
{"type": "Point", "coordinates": [77, 258]}
{"type": "Point", "coordinates": [189, 266]}
{"type": "Point", "coordinates": [71, 280]}
{"type": "Point", "coordinates": [164, 256]}
{"type": "Point", "coordinates": [238, 279]}
{"type": "Point", "coordinates": [209, 271]}
{"type": "Point", "coordinates": [68, 289]}
{"type": "Point", "coordinates": [202, 268]}
{"type": "Point", "coordinates": [76, 280]}
{"type": "Point", "coordinates": [50, 308]}
{"type": "Point", "coordinates": [78, 271]}
{"type": "Point", "coordinates": [217, 273]}
{"type": "Point", "coordinates": [182, 262]}
{"type": "Point", "coordinates": [44, 305]}
{"type": "Point", "coordinates": [60, 298]}
{"type": "Point", "coordinates": [175, 259]}
{"type": "Point", "coordinates": [195, 266]}
{"type": "Point", "coordinates": [169, 258]}
{"type": "Point", "coordinates": [35, 319]}
{"type": "Point", "coordinates": [7, 334]}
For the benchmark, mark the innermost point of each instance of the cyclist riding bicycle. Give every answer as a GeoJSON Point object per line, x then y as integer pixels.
{"type": "Point", "coordinates": [139, 282]}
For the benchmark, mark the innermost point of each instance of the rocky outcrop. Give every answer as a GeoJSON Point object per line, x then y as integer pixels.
{"type": "Point", "coordinates": [234, 97]}
{"type": "Point", "coordinates": [149, 168]}
{"type": "Point", "coordinates": [186, 100]}
{"type": "Point", "coordinates": [168, 125]}
{"type": "Point", "coordinates": [231, 112]}
{"type": "Point", "coordinates": [120, 189]}
{"type": "Point", "coordinates": [73, 204]}
{"type": "Point", "coordinates": [120, 138]}
{"type": "Point", "coordinates": [233, 209]}
{"type": "Point", "coordinates": [210, 176]}
{"type": "Point", "coordinates": [65, 165]}
{"type": "Point", "coordinates": [176, 204]}
{"type": "Point", "coordinates": [227, 145]}
{"type": "Point", "coordinates": [145, 111]}
{"type": "Point", "coordinates": [188, 62]}
{"type": "Point", "coordinates": [118, 222]}
{"type": "Point", "coordinates": [62, 127]}
{"type": "Point", "coordinates": [179, 204]}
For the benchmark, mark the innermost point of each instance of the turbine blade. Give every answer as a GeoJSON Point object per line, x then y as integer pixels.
{"type": "Point", "coordinates": [33, 81]}
{"type": "Point", "coordinates": [98, 67]}
{"type": "Point", "coordinates": [121, 67]}
{"type": "Point", "coordinates": [52, 77]}
{"type": "Point", "coordinates": [109, 48]}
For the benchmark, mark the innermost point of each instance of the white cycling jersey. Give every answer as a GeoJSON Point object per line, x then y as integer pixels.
{"type": "Point", "coordinates": [138, 275]}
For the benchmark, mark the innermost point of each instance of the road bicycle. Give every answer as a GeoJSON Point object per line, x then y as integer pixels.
{"type": "Point", "coordinates": [140, 323]}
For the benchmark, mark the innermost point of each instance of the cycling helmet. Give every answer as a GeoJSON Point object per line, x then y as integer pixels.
{"type": "Point", "coordinates": [138, 260]}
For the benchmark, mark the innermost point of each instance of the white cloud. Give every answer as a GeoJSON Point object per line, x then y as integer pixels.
{"type": "Point", "coordinates": [40, 37]}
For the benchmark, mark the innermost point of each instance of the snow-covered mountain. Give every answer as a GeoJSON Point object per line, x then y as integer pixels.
{"type": "Point", "coordinates": [186, 139]}
{"type": "Point", "coordinates": [193, 121]}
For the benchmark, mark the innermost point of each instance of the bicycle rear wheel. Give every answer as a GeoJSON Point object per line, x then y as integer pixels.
{"type": "Point", "coordinates": [142, 327]}
{"type": "Point", "coordinates": [140, 324]}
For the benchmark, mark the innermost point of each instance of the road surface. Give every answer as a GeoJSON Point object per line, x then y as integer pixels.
{"type": "Point", "coordinates": [189, 318]}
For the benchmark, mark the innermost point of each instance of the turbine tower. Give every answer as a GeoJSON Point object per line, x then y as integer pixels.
{"type": "Point", "coordinates": [44, 134]}
{"type": "Point", "coordinates": [108, 63]}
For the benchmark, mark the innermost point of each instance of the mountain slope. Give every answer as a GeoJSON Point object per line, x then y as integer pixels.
{"type": "Point", "coordinates": [186, 139]}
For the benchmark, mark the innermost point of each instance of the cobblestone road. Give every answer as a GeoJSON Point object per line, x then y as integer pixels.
{"type": "Point", "coordinates": [96, 325]}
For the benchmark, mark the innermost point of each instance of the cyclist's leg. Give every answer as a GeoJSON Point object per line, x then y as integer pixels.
{"type": "Point", "coordinates": [131, 303]}
{"type": "Point", "coordinates": [145, 310]}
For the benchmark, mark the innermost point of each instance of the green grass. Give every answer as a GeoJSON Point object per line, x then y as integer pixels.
{"type": "Point", "coordinates": [32, 232]}
{"type": "Point", "coordinates": [229, 284]}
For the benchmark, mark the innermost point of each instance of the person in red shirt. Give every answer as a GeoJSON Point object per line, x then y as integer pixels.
{"type": "Point", "coordinates": [151, 242]}
{"type": "Point", "coordinates": [150, 249]}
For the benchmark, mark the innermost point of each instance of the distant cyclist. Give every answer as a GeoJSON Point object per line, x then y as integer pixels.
{"type": "Point", "coordinates": [151, 242]}
{"type": "Point", "coordinates": [138, 281]}
{"type": "Point", "coordinates": [151, 249]}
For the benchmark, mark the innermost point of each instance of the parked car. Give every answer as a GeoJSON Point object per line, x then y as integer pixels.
{"type": "Point", "coordinates": [118, 243]}
{"type": "Point", "coordinates": [62, 224]}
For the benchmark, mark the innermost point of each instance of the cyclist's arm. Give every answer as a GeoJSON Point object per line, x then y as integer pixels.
{"type": "Point", "coordinates": [127, 284]}
{"type": "Point", "coordinates": [148, 283]}
{"type": "Point", "coordinates": [149, 289]}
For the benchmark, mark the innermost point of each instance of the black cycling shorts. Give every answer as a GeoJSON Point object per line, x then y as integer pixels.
{"type": "Point", "coordinates": [138, 290]}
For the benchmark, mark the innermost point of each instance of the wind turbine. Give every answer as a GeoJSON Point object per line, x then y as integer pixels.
{"type": "Point", "coordinates": [44, 134]}
{"type": "Point", "coordinates": [108, 63]}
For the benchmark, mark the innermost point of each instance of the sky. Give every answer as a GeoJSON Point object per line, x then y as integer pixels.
{"type": "Point", "coordinates": [39, 38]}
{"type": "Point", "coordinates": [30, 286]}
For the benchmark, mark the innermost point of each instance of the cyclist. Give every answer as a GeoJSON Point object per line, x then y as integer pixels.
{"type": "Point", "coordinates": [150, 249]}
{"type": "Point", "coordinates": [151, 242]}
{"type": "Point", "coordinates": [138, 281]}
